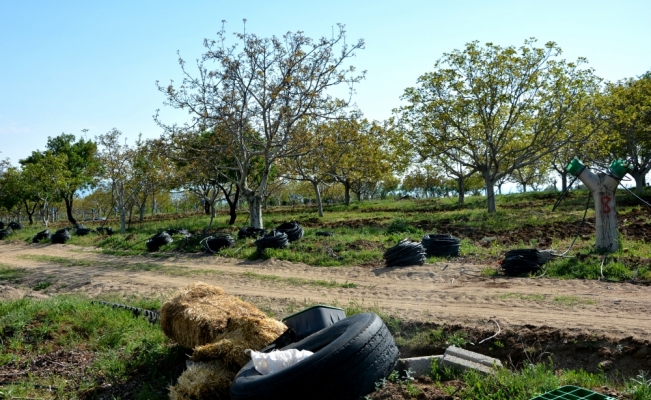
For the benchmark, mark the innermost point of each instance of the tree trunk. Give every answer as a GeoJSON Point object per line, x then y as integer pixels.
{"type": "Point", "coordinates": [212, 215]}
{"type": "Point", "coordinates": [602, 187]}
{"type": "Point", "coordinates": [319, 202]}
{"type": "Point", "coordinates": [640, 181]}
{"type": "Point", "coordinates": [524, 188]}
{"type": "Point", "coordinates": [29, 214]}
{"type": "Point", "coordinates": [68, 202]}
{"type": "Point", "coordinates": [490, 193]}
{"type": "Point", "coordinates": [563, 181]}
{"type": "Point", "coordinates": [255, 209]}
{"type": "Point", "coordinates": [347, 193]}
{"type": "Point", "coordinates": [461, 190]}
{"type": "Point", "coordinates": [142, 212]}
{"type": "Point", "coordinates": [206, 207]}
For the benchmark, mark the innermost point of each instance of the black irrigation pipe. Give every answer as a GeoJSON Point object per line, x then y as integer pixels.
{"type": "Point", "coordinates": [272, 240]}
{"type": "Point", "coordinates": [638, 197]}
{"type": "Point", "coordinates": [292, 229]}
{"type": "Point", "coordinates": [152, 316]}
{"type": "Point", "coordinates": [405, 253]}
{"type": "Point", "coordinates": [567, 189]}
{"type": "Point", "coordinates": [213, 244]}
{"type": "Point", "coordinates": [521, 261]}
{"type": "Point", "coordinates": [441, 245]}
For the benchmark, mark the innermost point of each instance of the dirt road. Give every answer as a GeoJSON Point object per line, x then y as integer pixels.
{"type": "Point", "coordinates": [449, 292]}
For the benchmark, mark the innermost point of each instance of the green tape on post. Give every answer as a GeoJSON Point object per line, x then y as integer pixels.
{"type": "Point", "coordinates": [619, 168]}
{"type": "Point", "coordinates": [575, 167]}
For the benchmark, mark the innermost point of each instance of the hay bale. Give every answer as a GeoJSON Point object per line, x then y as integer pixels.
{"type": "Point", "coordinates": [219, 327]}
{"type": "Point", "coordinates": [241, 334]}
{"type": "Point", "coordinates": [200, 314]}
{"type": "Point", "coordinates": [203, 380]}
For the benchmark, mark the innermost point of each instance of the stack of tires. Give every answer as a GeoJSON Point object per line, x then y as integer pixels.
{"type": "Point", "coordinates": [292, 229]}
{"type": "Point", "coordinates": [441, 245]}
{"type": "Point", "coordinates": [405, 253]}
{"type": "Point", "coordinates": [15, 225]}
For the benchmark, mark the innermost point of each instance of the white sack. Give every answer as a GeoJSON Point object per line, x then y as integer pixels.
{"type": "Point", "coordinates": [269, 363]}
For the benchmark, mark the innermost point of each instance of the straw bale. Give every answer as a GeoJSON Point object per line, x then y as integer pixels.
{"type": "Point", "coordinates": [203, 380]}
{"type": "Point", "coordinates": [249, 333]}
{"type": "Point", "coordinates": [200, 313]}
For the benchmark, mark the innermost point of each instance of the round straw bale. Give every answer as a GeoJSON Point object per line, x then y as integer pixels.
{"type": "Point", "coordinates": [200, 313]}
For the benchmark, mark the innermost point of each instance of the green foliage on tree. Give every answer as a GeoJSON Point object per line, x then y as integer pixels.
{"type": "Point", "coordinates": [626, 106]}
{"type": "Point", "coordinates": [80, 166]}
{"type": "Point", "coordinates": [494, 109]}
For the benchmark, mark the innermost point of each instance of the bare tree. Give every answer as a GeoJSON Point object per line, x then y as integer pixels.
{"type": "Point", "coordinates": [116, 161]}
{"type": "Point", "coordinates": [258, 95]}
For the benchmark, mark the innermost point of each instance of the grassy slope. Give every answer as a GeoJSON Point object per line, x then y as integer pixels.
{"type": "Point", "coordinates": [363, 231]}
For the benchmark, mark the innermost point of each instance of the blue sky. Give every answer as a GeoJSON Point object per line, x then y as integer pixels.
{"type": "Point", "coordinates": [72, 65]}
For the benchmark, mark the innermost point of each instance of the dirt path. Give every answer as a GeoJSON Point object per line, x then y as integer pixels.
{"type": "Point", "coordinates": [443, 293]}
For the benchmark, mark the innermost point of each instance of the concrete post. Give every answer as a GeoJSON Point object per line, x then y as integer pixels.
{"type": "Point", "coordinates": [602, 186]}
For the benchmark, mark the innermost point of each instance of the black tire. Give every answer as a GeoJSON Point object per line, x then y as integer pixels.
{"type": "Point", "coordinates": [40, 236]}
{"type": "Point", "coordinates": [61, 236]}
{"type": "Point", "coordinates": [249, 231]}
{"type": "Point", "coordinates": [441, 245]}
{"type": "Point", "coordinates": [521, 261]}
{"type": "Point", "coordinates": [292, 229]}
{"type": "Point", "coordinates": [349, 357]}
{"type": "Point", "coordinates": [2, 225]}
{"type": "Point", "coordinates": [214, 244]}
{"type": "Point", "coordinates": [155, 242]}
{"type": "Point", "coordinates": [324, 233]}
{"type": "Point", "coordinates": [15, 225]}
{"type": "Point", "coordinates": [272, 240]}
{"type": "Point", "coordinates": [405, 253]}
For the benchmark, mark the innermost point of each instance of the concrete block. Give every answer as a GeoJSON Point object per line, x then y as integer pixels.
{"type": "Point", "coordinates": [420, 366]}
{"type": "Point", "coordinates": [459, 358]}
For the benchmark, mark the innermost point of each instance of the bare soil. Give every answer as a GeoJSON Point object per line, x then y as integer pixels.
{"type": "Point", "coordinates": [581, 324]}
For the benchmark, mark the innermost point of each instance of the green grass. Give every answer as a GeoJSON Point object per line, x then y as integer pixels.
{"type": "Point", "coordinates": [117, 348]}
{"type": "Point", "coordinates": [530, 381]}
{"type": "Point", "coordinates": [8, 273]}
{"type": "Point", "coordinates": [364, 230]}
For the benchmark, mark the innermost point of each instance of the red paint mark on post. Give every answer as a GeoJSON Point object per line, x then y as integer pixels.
{"type": "Point", "coordinates": [605, 204]}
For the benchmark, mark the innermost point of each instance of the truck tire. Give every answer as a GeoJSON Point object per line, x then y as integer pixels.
{"type": "Point", "coordinates": [349, 357]}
